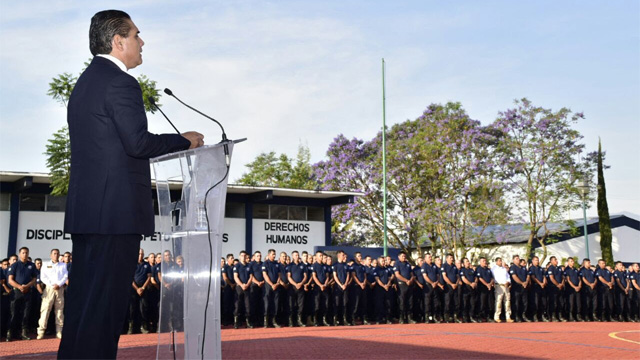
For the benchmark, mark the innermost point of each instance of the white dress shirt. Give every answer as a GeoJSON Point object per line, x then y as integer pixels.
{"type": "Point", "coordinates": [500, 274]}
{"type": "Point", "coordinates": [54, 273]}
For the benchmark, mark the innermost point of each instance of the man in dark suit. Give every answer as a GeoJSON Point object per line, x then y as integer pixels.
{"type": "Point", "coordinates": [109, 204]}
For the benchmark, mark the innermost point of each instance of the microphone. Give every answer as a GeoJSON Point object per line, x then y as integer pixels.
{"type": "Point", "coordinates": [153, 102]}
{"type": "Point", "coordinates": [224, 141]}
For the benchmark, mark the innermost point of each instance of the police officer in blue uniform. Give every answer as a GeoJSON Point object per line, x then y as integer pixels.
{"type": "Point", "coordinates": [297, 276]}
{"type": "Point", "coordinates": [369, 316]}
{"type": "Point", "coordinates": [418, 291]}
{"type": "Point", "coordinates": [256, 292]}
{"type": "Point", "coordinates": [555, 290]}
{"type": "Point", "coordinates": [243, 277]}
{"type": "Point", "coordinates": [138, 301]}
{"type": "Point", "coordinates": [271, 275]}
{"type": "Point", "coordinates": [152, 295]}
{"type": "Point", "coordinates": [384, 279]}
{"type": "Point", "coordinates": [469, 290]}
{"type": "Point", "coordinates": [538, 300]}
{"type": "Point", "coordinates": [342, 278]}
{"type": "Point", "coordinates": [21, 276]}
{"type": "Point", "coordinates": [485, 288]}
{"type": "Point", "coordinates": [283, 310]}
{"type": "Point", "coordinates": [589, 295]}
{"type": "Point", "coordinates": [519, 295]}
{"type": "Point", "coordinates": [357, 298]}
{"type": "Point", "coordinates": [406, 278]}
{"type": "Point", "coordinates": [572, 291]}
{"type": "Point", "coordinates": [451, 278]}
{"type": "Point", "coordinates": [320, 290]}
{"type": "Point", "coordinates": [309, 299]}
{"type": "Point", "coordinates": [634, 281]}
{"type": "Point", "coordinates": [605, 292]}
{"type": "Point", "coordinates": [228, 292]}
{"type": "Point", "coordinates": [621, 292]}
{"type": "Point", "coordinates": [431, 275]}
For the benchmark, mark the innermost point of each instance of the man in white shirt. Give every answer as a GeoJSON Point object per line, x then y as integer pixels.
{"type": "Point", "coordinates": [502, 294]}
{"type": "Point", "coordinates": [54, 275]}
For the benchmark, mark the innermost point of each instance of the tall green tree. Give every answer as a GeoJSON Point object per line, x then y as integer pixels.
{"type": "Point", "coordinates": [269, 169]}
{"type": "Point", "coordinates": [603, 213]}
{"type": "Point", "coordinates": [58, 149]}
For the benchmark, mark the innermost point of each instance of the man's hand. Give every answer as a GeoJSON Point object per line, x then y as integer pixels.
{"type": "Point", "coordinates": [56, 287]}
{"type": "Point", "coordinates": [195, 138]}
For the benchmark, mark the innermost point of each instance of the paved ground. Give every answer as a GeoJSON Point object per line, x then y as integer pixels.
{"type": "Point", "coordinates": [441, 341]}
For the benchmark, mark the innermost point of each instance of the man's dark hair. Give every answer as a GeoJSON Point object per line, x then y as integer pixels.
{"type": "Point", "coordinates": [52, 250]}
{"type": "Point", "coordinates": [551, 258]}
{"type": "Point", "coordinates": [230, 256]}
{"type": "Point", "coordinates": [23, 248]}
{"type": "Point", "coordinates": [37, 259]}
{"type": "Point", "coordinates": [104, 26]}
{"type": "Point", "coordinates": [515, 256]}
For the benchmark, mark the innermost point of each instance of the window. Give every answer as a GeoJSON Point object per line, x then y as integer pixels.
{"type": "Point", "coordinates": [278, 212]}
{"type": "Point", "coordinates": [297, 213]}
{"type": "Point", "coordinates": [32, 202]}
{"type": "Point", "coordinates": [56, 203]}
{"type": "Point", "coordinates": [260, 211]}
{"type": "Point", "coordinates": [5, 201]}
{"type": "Point", "coordinates": [315, 213]}
{"type": "Point", "coordinates": [234, 210]}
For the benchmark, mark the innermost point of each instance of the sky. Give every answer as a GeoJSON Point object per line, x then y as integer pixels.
{"type": "Point", "coordinates": [284, 73]}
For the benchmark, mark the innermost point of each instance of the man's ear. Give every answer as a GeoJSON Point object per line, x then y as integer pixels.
{"type": "Point", "coordinates": [116, 43]}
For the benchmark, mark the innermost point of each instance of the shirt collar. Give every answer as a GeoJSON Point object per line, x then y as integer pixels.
{"type": "Point", "coordinates": [115, 60]}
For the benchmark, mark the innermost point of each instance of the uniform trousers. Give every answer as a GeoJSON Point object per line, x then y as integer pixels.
{"type": "Point", "coordinates": [137, 310]}
{"type": "Point", "coordinates": [96, 301]}
{"type": "Point", "coordinates": [622, 303]}
{"type": "Point", "coordinates": [554, 300]}
{"type": "Point", "coordinates": [51, 299]}
{"type": "Point", "coordinates": [382, 302]}
{"type": "Point", "coordinates": [519, 300]}
{"type": "Point", "coordinates": [537, 301]}
{"type": "Point", "coordinates": [635, 303]}
{"type": "Point", "coordinates": [271, 301]}
{"type": "Point", "coordinates": [321, 303]}
{"type": "Point", "coordinates": [430, 301]}
{"type": "Point", "coordinates": [228, 301]}
{"type": "Point", "coordinates": [589, 299]}
{"type": "Point", "coordinates": [283, 306]}
{"type": "Point", "coordinates": [418, 302]}
{"type": "Point", "coordinates": [450, 309]}
{"type": "Point", "coordinates": [242, 305]}
{"type": "Point", "coordinates": [605, 301]}
{"type": "Point", "coordinates": [256, 295]}
{"type": "Point", "coordinates": [405, 299]}
{"type": "Point", "coordinates": [468, 301]}
{"type": "Point", "coordinates": [152, 295]}
{"type": "Point", "coordinates": [573, 301]}
{"type": "Point", "coordinates": [484, 292]}
{"type": "Point", "coordinates": [357, 301]}
{"type": "Point", "coordinates": [340, 302]}
{"type": "Point", "coordinates": [20, 310]}
{"type": "Point", "coordinates": [370, 307]}
{"type": "Point", "coordinates": [296, 301]}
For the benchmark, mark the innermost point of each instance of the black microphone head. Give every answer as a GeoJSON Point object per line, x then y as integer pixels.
{"type": "Point", "coordinates": [151, 100]}
{"type": "Point", "coordinates": [168, 92]}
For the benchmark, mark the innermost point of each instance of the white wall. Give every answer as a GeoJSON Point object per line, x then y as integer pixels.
{"type": "Point", "coordinates": [5, 216]}
{"type": "Point", "coordinates": [625, 245]}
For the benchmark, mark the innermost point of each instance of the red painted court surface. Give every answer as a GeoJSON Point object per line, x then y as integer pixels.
{"type": "Point", "coordinates": [420, 341]}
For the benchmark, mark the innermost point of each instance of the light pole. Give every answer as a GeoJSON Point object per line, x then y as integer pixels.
{"type": "Point", "coordinates": [583, 187]}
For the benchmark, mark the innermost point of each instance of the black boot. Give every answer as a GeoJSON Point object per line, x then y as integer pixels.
{"type": "Point", "coordinates": [411, 321]}
{"type": "Point", "coordinates": [24, 335]}
{"type": "Point", "coordinates": [266, 322]}
{"type": "Point", "coordinates": [248, 323]}
{"type": "Point", "coordinates": [275, 323]}
{"type": "Point", "coordinates": [300, 323]}
{"type": "Point", "coordinates": [9, 336]}
{"type": "Point", "coordinates": [291, 321]}
{"type": "Point", "coordinates": [335, 320]}
{"type": "Point", "coordinates": [324, 321]}
{"type": "Point", "coordinates": [235, 322]}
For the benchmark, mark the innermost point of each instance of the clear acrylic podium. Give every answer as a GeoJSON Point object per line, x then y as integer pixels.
{"type": "Point", "coordinates": [187, 260]}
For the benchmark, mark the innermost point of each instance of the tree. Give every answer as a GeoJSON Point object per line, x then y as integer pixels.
{"type": "Point", "coordinates": [603, 213]}
{"type": "Point", "coordinates": [540, 151]}
{"type": "Point", "coordinates": [442, 186]}
{"type": "Point", "coordinates": [58, 149]}
{"type": "Point", "coordinates": [269, 169]}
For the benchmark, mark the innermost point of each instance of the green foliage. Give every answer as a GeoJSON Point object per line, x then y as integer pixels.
{"type": "Point", "coordinates": [58, 149]}
{"type": "Point", "coordinates": [59, 161]}
{"type": "Point", "coordinates": [603, 213]}
{"type": "Point", "coordinates": [269, 169]}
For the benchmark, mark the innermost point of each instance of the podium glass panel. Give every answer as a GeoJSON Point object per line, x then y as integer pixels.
{"type": "Point", "coordinates": [191, 246]}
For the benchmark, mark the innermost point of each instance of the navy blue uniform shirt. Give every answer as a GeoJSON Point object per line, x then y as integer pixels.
{"type": "Point", "coordinates": [451, 272]}
{"type": "Point", "coordinates": [256, 267]}
{"type": "Point", "coordinates": [404, 269]}
{"type": "Point", "coordinates": [382, 273]}
{"type": "Point", "coordinates": [22, 272]}
{"type": "Point", "coordinates": [555, 272]}
{"type": "Point", "coordinates": [228, 269]}
{"type": "Point", "coordinates": [606, 275]}
{"type": "Point", "coordinates": [484, 273]}
{"type": "Point", "coordinates": [244, 272]}
{"type": "Point", "coordinates": [588, 274]}
{"type": "Point", "coordinates": [518, 271]}
{"type": "Point", "coordinates": [297, 271]}
{"type": "Point", "coordinates": [142, 270]}
{"type": "Point", "coordinates": [633, 276]}
{"type": "Point", "coordinates": [341, 270]}
{"type": "Point", "coordinates": [272, 269]}
{"type": "Point", "coordinates": [417, 272]}
{"type": "Point", "coordinates": [537, 272]}
{"type": "Point", "coordinates": [469, 274]}
{"type": "Point", "coordinates": [320, 271]}
{"type": "Point", "coordinates": [622, 276]}
{"type": "Point", "coordinates": [283, 268]}
{"type": "Point", "coordinates": [360, 271]}
{"type": "Point", "coordinates": [370, 278]}
{"type": "Point", "coordinates": [431, 270]}
{"type": "Point", "coordinates": [572, 275]}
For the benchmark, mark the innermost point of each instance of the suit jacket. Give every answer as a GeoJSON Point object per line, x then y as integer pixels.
{"type": "Point", "coordinates": [110, 184]}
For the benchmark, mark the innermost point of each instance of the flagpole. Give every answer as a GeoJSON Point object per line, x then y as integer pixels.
{"type": "Point", "coordinates": [384, 162]}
